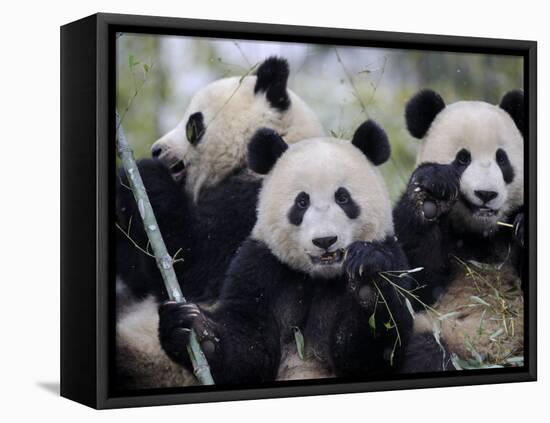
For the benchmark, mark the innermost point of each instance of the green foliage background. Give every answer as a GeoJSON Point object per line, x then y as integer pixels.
{"type": "Point", "coordinates": [343, 85]}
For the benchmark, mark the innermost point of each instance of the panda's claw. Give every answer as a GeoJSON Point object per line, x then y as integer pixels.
{"type": "Point", "coordinates": [176, 321]}
{"type": "Point", "coordinates": [518, 224]}
{"type": "Point", "coordinates": [364, 261]}
{"type": "Point", "coordinates": [433, 189]}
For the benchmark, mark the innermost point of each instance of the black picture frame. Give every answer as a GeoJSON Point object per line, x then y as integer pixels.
{"type": "Point", "coordinates": [87, 169]}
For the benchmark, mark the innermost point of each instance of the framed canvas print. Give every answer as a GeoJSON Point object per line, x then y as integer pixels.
{"type": "Point", "coordinates": [257, 211]}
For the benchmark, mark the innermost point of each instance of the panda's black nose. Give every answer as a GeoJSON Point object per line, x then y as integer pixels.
{"type": "Point", "coordinates": [324, 242]}
{"type": "Point", "coordinates": [156, 150]}
{"type": "Point", "coordinates": [486, 196]}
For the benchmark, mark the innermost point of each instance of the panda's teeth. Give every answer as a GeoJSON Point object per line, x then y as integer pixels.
{"type": "Point", "coordinates": [177, 167]}
{"type": "Point", "coordinates": [330, 257]}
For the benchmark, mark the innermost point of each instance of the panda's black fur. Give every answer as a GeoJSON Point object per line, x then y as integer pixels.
{"type": "Point", "coordinates": [264, 300]}
{"type": "Point", "coordinates": [207, 232]}
{"type": "Point", "coordinates": [429, 238]}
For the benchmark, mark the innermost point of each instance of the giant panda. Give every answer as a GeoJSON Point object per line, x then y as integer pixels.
{"type": "Point", "coordinates": [461, 221]}
{"type": "Point", "coordinates": [204, 198]}
{"type": "Point", "coordinates": [207, 208]}
{"type": "Point", "coordinates": [309, 271]}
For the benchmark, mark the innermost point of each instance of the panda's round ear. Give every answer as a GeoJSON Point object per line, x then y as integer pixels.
{"type": "Point", "coordinates": [372, 140]}
{"type": "Point", "coordinates": [264, 149]}
{"type": "Point", "coordinates": [421, 110]}
{"type": "Point", "coordinates": [271, 78]}
{"type": "Point", "coordinates": [513, 104]}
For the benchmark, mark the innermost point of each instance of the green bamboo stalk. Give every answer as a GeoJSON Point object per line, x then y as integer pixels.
{"type": "Point", "coordinates": [165, 261]}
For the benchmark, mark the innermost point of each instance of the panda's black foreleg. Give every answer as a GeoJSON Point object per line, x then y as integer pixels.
{"type": "Point", "coordinates": [431, 193]}
{"type": "Point", "coordinates": [424, 353]}
{"type": "Point", "coordinates": [239, 347]}
{"type": "Point", "coordinates": [246, 335]}
{"type": "Point", "coordinates": [419, 223]}
{"type": "Point", "coordinates": [375, 324]}
{"type": "Point", "coordinates": [519, 260]}
{"type": "Point", "coordinates": [518, 228]}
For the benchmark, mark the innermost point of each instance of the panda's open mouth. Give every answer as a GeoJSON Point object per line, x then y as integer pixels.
{"type": "Point", "coordinates": [479, 211]}
{"type": "Point", "coordinates": [484, 212]}
{"type": "Point", "coordinates": [328, 258]}
{"type": "Point", "coordinates": [177, 169]}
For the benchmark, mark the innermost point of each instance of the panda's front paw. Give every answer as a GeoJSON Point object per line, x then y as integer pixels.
{"type": "Point", "coordinates": [519, 236]}
{"type": "Point", "coordinates": [363, 262]}
{"type": "Point", "coordinates": [176, 320]}
{"type": "Point", "coordinates": [433, 189]}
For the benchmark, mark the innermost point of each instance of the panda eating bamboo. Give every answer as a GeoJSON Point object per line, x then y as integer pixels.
{"type": "Point", "coordinates": [305, 296]}
{"type": "Point", "coordinates": [462, 220]}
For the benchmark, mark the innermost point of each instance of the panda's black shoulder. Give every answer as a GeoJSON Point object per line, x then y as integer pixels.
{"type": "Point", "coordinates": [239, 186]}
{"type": "Point", "coordinates": [254, 256]}
{"type": "Point", "coordinates": [253, 271]}
{"type": "Point", "coordinates": [229, 208]}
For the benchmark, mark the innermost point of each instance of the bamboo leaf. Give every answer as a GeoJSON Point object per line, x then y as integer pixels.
{"type": "Point", "coordinates": [447, 315]}
{"type": "Point", "coordinates": [436, 331]}
{"type": "Point", "coordinates": [132, 61]}
{"type": "Point", "coordinates": [300, 344]}
{"type": "Point", "coordinates": [410, 308]}
{"type": "Point", "coordinates": [372, 322]}
{"type": "Point", "coordinates": [496, 334]}
{"type": "Point", "coordinates": [408, 272]}
{"type": "Point", "coordinates": [480, 300]}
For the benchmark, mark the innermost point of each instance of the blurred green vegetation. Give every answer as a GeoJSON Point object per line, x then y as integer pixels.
{"type": "Point", "coordinates": [343, 85]}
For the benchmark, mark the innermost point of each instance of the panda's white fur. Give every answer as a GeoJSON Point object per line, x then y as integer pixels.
{"type": "Point", "coordinates": [481, 128]}
{"type": "Point", "coordinates": [293, 367]}
{"type": "Point", "coordinates": [337, 163]}
{"type": "Point", "coordinates": [139, 353]}
{"type": "Point", "coordinates": [232, 113]}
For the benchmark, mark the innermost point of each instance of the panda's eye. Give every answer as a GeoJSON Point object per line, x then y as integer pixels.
{"type": "Point", "coordinates": [463, 157]}
{"type": "Point", "coordinates": [302, 200]}
{"type": "Point", "coordinates": [502, 157]}
{"type": "Point", "coordinates": [342, 196]}
{"type": "Point", "coordinates": [194, 129]}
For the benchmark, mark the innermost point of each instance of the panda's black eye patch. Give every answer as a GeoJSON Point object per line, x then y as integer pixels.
{"type": "Point", "coordinates": [463, 157]}
{"type": "Point", "coordinates": [298, 209]}
{"type": "Point", "coordinates": [505, 165]}
{"type": "Point", "coordinates": [194, 129]}
{"type": "Point", "coordinates": [342, 197]}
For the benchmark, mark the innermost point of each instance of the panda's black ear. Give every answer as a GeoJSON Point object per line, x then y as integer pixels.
{"type": "Point", "coordinates": [272, 76]}
{"type": "Point", "coordinates": [421, 110]}
{"type": "Point", "coordinates": [513, 104]}
{"type": "Point", "coordinates": [264, 149]}
{"type": "Point", "coordinates": [372, 140]}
